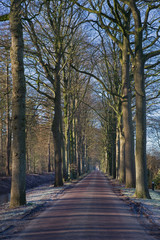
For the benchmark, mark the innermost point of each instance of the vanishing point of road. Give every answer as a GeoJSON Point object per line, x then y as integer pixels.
{"type": "Point", "coordinates": [88, 211]}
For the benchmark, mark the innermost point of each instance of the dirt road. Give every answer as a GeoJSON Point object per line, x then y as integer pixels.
{"type": "Point", "coordinates": [89, 211]}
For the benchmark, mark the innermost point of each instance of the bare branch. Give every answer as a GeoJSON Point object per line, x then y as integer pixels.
{"type": "Point", "coordinates": [151, 54]}
{"type": "Point", "coordinates": [39, 91]}
{"type": "Point", "coordinates": [98, 79]}
{"type": "Point", "coordinates": [4, 17]}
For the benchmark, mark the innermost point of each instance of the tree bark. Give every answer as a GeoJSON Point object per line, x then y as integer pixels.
{"type": "Point", "coordinates": [57, 131]}
{"type": "Point", "coordinates": [8, 130]}
{"type": "Point", "coordinates": [141, 166]}
{"type": "Point", "coordinates": [1, 139]}
{"type": "Point", "coordinates": [18, 195]}
{"type": "Point", "coordinates": [114, 144]}
{"type": "Point", "coordinates": [122, 157]}
{"type": "Point", "coordinates": [127, 118]}
{"type": "Point", "coordinates": [79, 146]}
{"type": "Point", "coordinates": [66, 170]}
{"type": "Point", "coordinates": [75, 144]}
{"type": "Point", "coordinates": [49, 156]}
{"type": "Point", "coordinates": [117, 152]}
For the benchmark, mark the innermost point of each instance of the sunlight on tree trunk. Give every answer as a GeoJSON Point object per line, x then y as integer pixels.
{"type": "Point", "coordinates": [127, 118]}
{"type": "Point", "coordinates": [117, 152]}
{"type": "Point", "coordinates": [57, 132]}
{"type": "Point", "coordinates": [8, 127]}
{"type": "Point", "coordinates": [18, 196]}
{"type": "Point", "coordinates": [122, 158]}
{"type": "Point", "coordinates": [141, 166]}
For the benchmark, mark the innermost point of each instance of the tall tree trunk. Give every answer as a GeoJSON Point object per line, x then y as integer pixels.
{"type": "Point", "coordinates": [109, 136]}
{"type": "Point", "coordinates": [67, 123]}
{"type": "Point", "coordinates": [127, 118]}
{"type": "Point", "coordinates": [66, 131]}
{"type": "Point", "coordinates": [113, 145]}
{"type": "Point", "coordinates": [49, 144]}
{"type": "Point", "coordinates": [66, 126]}
{"type": "Point", "coordinates": [75, 145]}
{"type": "Point", "coordinates": [28, 164]}
{"type": "Point", "coordinates": [122, 157]}
{"type": "Point", "coordinates": [64, 167]}
{"type": "Point", "coordinates": [49, 155]}
{"type": "Point", "coordinates": [79, 146]}
{"type": "Point", "coordinates": [117, 152]}
{"type": "Point", "coordinates": [57, 131]}
{"type": "Point", "coordinates": [68, 151]}
{"type": "Point", "coordinates": [86, 154]}
{"type": "Point", "coordinates": [141, 166]}
{"type": "Point", "coordinates": [1, 140]}
{"type": "Point", "coordinates": [77, 153]}
{"type": "Point", "coordinates": [71, 151]}
{"type": "Point", "coordinates": [18, 195]}
{"type": "Point", "coordinates": [105, 160]}
{"type": "Point", "coordinates": [8, 131]}
{"type": "Point", "coordinates": [83, 153]}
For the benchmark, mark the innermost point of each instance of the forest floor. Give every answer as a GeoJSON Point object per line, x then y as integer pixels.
{"type": "Point", "coordinates": [39, 198]}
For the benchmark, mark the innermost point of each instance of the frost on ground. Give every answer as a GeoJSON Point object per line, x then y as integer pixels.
{"type": "Point", "coordinates": [151, 207]}
{"type": "Point", "coordinates": [14, 220]}
{"type": "Point", "coordinates": [147, 210]}
{"type": "Point", "coordinates": [37, 199]}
